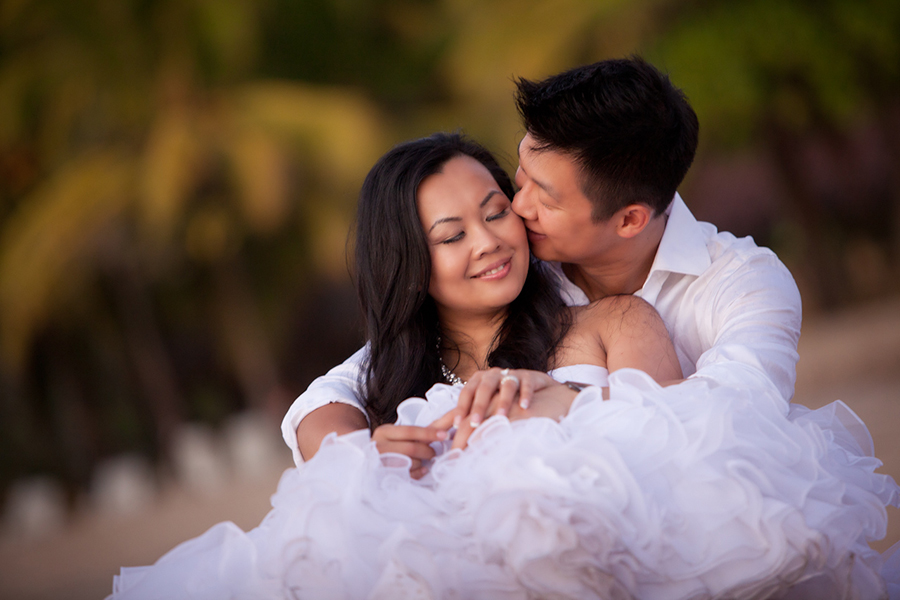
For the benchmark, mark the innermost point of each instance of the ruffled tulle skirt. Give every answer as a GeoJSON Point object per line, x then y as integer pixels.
{"type": "Point", "coordinates": [692, 491]}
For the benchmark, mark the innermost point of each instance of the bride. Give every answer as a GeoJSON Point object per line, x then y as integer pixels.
{"type": "Point", "coordinates": [690, 491]}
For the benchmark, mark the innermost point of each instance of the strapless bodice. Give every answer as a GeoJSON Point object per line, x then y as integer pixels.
{"type": "Point", "coordinates": [582, 373]}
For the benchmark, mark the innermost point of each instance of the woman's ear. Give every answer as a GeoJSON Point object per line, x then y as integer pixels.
{"type": "Point", "coordinates": [633, 219]}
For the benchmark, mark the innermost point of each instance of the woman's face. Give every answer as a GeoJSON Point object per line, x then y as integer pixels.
{"type": "Point", "coordinates": [479, 249]}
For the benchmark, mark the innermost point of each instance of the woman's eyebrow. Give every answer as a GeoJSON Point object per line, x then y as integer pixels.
{"type": "Point", "coordinates": [487, 198]}
{"type": "Point", "coordinates": [490, 195]}
{"type": "Point", "coordinates": [444, 220]}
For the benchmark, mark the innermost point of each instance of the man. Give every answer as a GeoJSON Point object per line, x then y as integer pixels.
{"type": "Point", "coordinates": [606, 147]}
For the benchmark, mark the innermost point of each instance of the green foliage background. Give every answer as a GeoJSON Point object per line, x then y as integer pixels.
{"type": "Point", "coordinates": [178, 177]}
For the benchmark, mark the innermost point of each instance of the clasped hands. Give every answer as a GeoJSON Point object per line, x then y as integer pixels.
{"type": "Point", "coordinates": [516, 393]}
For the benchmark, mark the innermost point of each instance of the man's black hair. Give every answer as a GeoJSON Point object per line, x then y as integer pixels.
{"type": "Point", "coordinates": [631, 132]}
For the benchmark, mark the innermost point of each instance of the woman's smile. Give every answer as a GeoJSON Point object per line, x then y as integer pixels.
{"type": "Point", "coordinates": [499, 271]}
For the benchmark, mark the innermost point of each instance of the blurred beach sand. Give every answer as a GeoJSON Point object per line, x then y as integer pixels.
{"type": "Point", "coordinates": [853, 356]}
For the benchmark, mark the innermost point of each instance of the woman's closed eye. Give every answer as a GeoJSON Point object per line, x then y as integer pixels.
{"type": "Point", "coordinates": [488, 219]}
{"type": "Point", "coordinates": [499, 215]}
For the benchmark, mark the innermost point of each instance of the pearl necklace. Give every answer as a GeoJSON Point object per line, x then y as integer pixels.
{"type": "Point", "coordinates": [449, 376]}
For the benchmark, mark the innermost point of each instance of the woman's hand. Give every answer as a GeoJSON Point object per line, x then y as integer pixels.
{"type": "Point", "coordinates": [552, 401]}
{"type": "Point", "coordinates": [493, 392]}
{"type": "Point", "coordinates": [411, 441]}
{"type": "Point", "coordinates": [489, 393]}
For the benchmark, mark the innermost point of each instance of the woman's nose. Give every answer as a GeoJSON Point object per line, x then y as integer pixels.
{"type": "Point", "coordinates": [486, 242]}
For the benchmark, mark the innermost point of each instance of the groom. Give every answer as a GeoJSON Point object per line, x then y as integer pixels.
{"type": "Point", "coordinates": [606, 147]}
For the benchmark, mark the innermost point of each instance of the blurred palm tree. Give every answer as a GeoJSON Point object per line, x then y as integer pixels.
{"type": "Point", "coordinates": [136, 149]}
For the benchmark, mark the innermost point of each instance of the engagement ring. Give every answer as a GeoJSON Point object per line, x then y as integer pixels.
{"type": "Point", "coordinates": [508, 377]}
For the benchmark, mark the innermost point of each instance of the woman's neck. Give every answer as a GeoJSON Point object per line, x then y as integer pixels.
{"type": "Point", "coordinates": [473, 336]}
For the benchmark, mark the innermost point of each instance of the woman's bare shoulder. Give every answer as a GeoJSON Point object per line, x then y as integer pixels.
{"type": "Point", "coordinates": [621, 309]}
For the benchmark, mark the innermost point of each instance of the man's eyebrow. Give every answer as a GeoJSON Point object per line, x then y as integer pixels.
{"type": "Point", "coordinates": [544, 186]}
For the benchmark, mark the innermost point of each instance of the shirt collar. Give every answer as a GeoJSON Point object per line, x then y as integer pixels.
{"type": "Point", "coordinates": [682, 248]}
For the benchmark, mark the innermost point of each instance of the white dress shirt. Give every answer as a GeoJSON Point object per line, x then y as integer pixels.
{"type": "Point", "coordinates": [731, 308]}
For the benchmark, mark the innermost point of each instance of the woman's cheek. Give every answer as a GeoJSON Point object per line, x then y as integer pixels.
{"type": "Point", "coordinates": [449, 261]}
{"type": "Point", "coordinates": [518, 235]}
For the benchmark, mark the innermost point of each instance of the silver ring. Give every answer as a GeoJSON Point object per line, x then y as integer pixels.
{"type": "Point", "coordinates": [506, 378]}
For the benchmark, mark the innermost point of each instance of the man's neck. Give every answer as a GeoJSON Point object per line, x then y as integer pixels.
{"type": "Point", "coordinates": [624, 271]}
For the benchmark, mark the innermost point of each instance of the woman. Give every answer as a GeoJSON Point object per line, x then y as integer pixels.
{"type": "Point", "coordinates": [689, 492]}
{"type": "Point", "coordinates": [476, 300]}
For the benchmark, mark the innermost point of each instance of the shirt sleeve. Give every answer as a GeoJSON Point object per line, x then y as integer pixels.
{"type": "Point", "coordinates": [754, 327]}
{"type": "Point", "coordinates": [340, 384]}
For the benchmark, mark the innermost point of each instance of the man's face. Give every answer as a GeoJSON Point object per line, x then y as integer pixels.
{"type": "Point", "coordinates": [557, 214]}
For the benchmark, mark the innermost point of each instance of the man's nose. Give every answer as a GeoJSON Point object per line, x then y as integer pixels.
{"type": "Point", "coordinates": [522, 204]}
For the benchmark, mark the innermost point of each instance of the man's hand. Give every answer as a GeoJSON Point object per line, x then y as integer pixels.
{"type": "Point", "coordinates": [493, 392]}
{"type": "Point", "coordinates": [411, 441]}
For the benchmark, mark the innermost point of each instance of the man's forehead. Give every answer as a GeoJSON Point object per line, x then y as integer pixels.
{"type": "Point", "coordinates": [536, 156]}
{"type": "Point", "coordinates": [532, 148]}
{"type": "Point", "coordinates": [526, 144]}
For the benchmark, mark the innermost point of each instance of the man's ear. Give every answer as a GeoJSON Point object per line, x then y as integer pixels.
{"type": "Point", "coordinates": [633, 219]}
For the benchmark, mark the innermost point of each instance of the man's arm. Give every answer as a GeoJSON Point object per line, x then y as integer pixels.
{"type": "Point", "coordinates": [338, 391]}
{"type": "Point", "coordinates": [754, 327]}
{"type": "Point", "coordinates": [336, 417]}
{"type": "Point", "coordinates": [331, 405]}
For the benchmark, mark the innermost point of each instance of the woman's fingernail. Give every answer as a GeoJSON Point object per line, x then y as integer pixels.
{"type": "Point", "coordinates": [501, 412]}
{"type": "Point", "coordinates": [524, 403]}
{"type": "Point", "coordinates": [476, 420]}
{"type": "Point", "coordinates": [456, 421]}
{"type": "Point", "coordinates": [441, 435]}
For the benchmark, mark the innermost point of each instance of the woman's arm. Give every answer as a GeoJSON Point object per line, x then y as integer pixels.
{"type": "Point", "coordinates": [633, 335]}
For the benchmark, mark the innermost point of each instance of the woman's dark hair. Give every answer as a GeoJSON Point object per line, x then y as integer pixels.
{"type": "Point", "coordinates": [393, 269]}
{"type": "Point", "coordinates": [631, 132]}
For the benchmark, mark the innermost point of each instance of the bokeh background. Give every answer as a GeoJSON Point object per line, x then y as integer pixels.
{"type": "Point", "coordinates": [178, 180]}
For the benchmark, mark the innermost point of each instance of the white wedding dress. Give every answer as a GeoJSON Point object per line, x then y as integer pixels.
{"type": "Point", "coordinates": [684, 492]}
